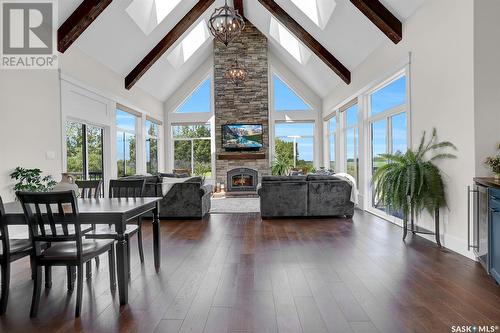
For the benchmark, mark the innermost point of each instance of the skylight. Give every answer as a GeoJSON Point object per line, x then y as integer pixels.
{"type": "Point", "coordinates": [148, 14]}
{"type": "Point", "coordinates": [318, 11]}
{"type": "Point", "coordinates": [289, 42]}
{"type": "Point", "coordinates": [189, 45]}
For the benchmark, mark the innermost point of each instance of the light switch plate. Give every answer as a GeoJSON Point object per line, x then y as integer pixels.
{"type": "Point", "coordinates": [50, 155]}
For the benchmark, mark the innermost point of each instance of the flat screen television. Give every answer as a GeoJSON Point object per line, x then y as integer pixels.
{"type": "Point", "coordinates": [242, 137]}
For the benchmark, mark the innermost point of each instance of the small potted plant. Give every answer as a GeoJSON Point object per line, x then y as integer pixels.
{"type": "Point", "coordinates": [494, 163]}
{"type": "Point", "coordinates": [31, 180]}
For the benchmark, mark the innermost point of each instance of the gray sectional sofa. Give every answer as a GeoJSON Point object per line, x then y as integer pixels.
{"type": "Point", "coordinates": [305, 196]}
{"type": "Point", "coordinates": [187, 199]}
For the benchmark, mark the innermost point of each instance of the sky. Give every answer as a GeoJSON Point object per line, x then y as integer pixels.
{"type": "Point", "coordinates": [285, 99]}
{"type": "Point", "coordinates": [199, 101]}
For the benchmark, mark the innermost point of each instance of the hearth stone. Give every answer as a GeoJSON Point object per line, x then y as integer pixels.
{"type": "Point", "coordinates": [242, 180]}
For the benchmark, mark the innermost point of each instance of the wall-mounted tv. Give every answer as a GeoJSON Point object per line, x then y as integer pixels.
{"type": "Point", "coordinates": [242, 137]}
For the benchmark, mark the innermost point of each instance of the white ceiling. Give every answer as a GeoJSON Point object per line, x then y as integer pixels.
{"type": "Point", "coordinates": [116, 41]}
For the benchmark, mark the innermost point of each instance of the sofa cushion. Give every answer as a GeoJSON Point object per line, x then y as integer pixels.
{"type": "Point", "coordinates": [283, 178]}
{"type": "Point", "coordinates": [321, 177]}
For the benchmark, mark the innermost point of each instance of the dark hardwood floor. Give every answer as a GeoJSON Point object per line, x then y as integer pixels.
{"type": "Point", "coordinates": [237, 273]}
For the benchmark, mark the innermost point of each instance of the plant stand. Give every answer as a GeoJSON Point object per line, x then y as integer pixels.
{"type": "Point", "coordinates": [415, 230]}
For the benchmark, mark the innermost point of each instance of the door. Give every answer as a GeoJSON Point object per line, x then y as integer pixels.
{"type": "Point", "coordinates": [84, 151]}
{"type": "Point", "coordinates": [494, 239]}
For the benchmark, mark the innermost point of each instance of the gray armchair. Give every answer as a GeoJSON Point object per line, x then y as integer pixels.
{"type": "Point", "coordinates": [328, 196]}
{"type": "Point", "coordinates": [187, 200]}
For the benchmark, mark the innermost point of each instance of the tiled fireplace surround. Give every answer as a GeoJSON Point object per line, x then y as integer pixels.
{"type": "Point", "coordinates": [247, 103]}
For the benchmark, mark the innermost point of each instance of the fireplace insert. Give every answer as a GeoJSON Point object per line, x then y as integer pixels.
{"type": "Point", "coordinates": [242, 179]}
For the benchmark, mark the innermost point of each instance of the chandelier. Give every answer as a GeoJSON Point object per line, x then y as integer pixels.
{"type": "Point", "coordinates": [226, 24]}
{"type": "Point", "coordinates": [237, 73]}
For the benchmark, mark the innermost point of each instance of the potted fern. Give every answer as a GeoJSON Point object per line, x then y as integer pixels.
{"type": "Point", "coordinates": [411, 183]}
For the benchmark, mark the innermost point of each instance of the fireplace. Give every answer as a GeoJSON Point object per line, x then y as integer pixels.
{"type": "Point", "coordinates": [242, 179]}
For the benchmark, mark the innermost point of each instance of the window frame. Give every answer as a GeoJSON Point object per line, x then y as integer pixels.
{"type": "Point", "coordinates": [387, 114]}
{"type": "Point", "coordinates": [313, 136]}
{"type": "Point", "coordinates": [209, 138]}
{"type": "Point", "coordinates": [126, 131]}
{"type": "Point", "coordinates": [148, 137]}
{"type": "Point", "coordinates": [356, 126]}
{"type": "Point", "coordinates": [85, 147]}
{"type": "Point", "coordinates": [335, 134]}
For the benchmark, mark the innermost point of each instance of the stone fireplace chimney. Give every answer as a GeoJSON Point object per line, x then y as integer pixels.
{"type": "Point", "coordinates": [247, 103]}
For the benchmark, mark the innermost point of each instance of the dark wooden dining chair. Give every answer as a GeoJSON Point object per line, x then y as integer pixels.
{"type": "Point", "coordinates": [90, 189]}
{"type": "Point", "coordinates": [57, 211]}
{"type": "Point", "coordinates": [10, 250]}
{"type": "Point", "coordinates": [126, 189]}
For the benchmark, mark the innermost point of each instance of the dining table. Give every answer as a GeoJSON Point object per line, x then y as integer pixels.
{"type": "Point", "coordinates": [109, 211]}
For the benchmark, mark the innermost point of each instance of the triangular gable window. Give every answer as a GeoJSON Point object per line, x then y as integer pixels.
{"type": "Point", "coordinates": [285, 99]}
{"type": "Point", "coordinates": [199, 101]}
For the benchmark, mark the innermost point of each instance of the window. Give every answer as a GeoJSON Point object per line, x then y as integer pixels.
{"type": "Point", "coordinates": [199, 101]}
{"type": "Point", "coordinates": [351, 137]}
{"type": "Point", "coordinates": [285, 99]}
{"type": "Point", "coordinates": [148, 14]}
{"type": "Point", "coordinates": [388, 97]}
{"type": "Point", "coordinates": [388, 126]}
{"type": "Point", "coordinates": [289, 42]}
{"type": "Point", "coordinates": [125, 143]}
{"type": "Point", "coordinates": [317, 11]}
{"type": "Point", "coordinates": [84, 151]}
{"type": "Point", "coordinates": [192, 148]}
{"type": "Point", "coordinates": [295, 141]}
{"type": "Point", "coordinates": [189, 45]}
{"type": "Point", "coordinates": [151, 147]}
{"type": "Point", "coordinates": [332, 141]}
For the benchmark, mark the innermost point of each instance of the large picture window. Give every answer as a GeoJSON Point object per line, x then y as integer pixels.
{"type": "Point", "coordinates": [192, 148]}
{"type": "Point", "coordinates": [296, 142]}
{"type": "Point", "coordinates": [388, 126]}
{"type": "Point", "coordinates": [125, 143]}
{"type": "Point", "coordinates": [151, 147]}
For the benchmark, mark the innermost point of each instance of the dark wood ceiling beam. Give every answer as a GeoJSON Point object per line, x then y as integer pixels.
{"type": "Point", "coordinates": [376, 12]}
{"type": "Point", "coordinates": [238, 5]}
{"type": "Point", "coordinates": [308, 40]}
{"type": "Point", "coordinates": [79, 21]}
{"type": "Point", "coordinates": [170, 38]}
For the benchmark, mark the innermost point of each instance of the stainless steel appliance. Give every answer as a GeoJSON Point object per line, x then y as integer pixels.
{"type": "Point", "coordinates": [479, 201]}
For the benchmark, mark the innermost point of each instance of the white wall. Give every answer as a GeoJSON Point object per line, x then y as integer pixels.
{"type": "Point", "coordinates": [30, 124]}
{"type": "Point", "coordinates": [487, 81]}
{"type": "Point", "coordinates": [30, 112]}
{"type": "Point", "coordinates": [440, 37]}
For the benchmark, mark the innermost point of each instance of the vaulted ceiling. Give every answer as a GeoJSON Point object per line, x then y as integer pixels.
{"type": "Point", "coordinates": [119, 42]}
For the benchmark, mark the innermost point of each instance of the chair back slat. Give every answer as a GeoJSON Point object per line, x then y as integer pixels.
{"type": "Point", "coordinates": [51, 209]}
{"type": "Point", "coordinates": [90, 189]}
{"type": "Point", "coordinates": [50, 217]}
{"type": "Point", "coordinates": [126, 188]}
{"type": "Point", "coordinates": [4, 230]}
